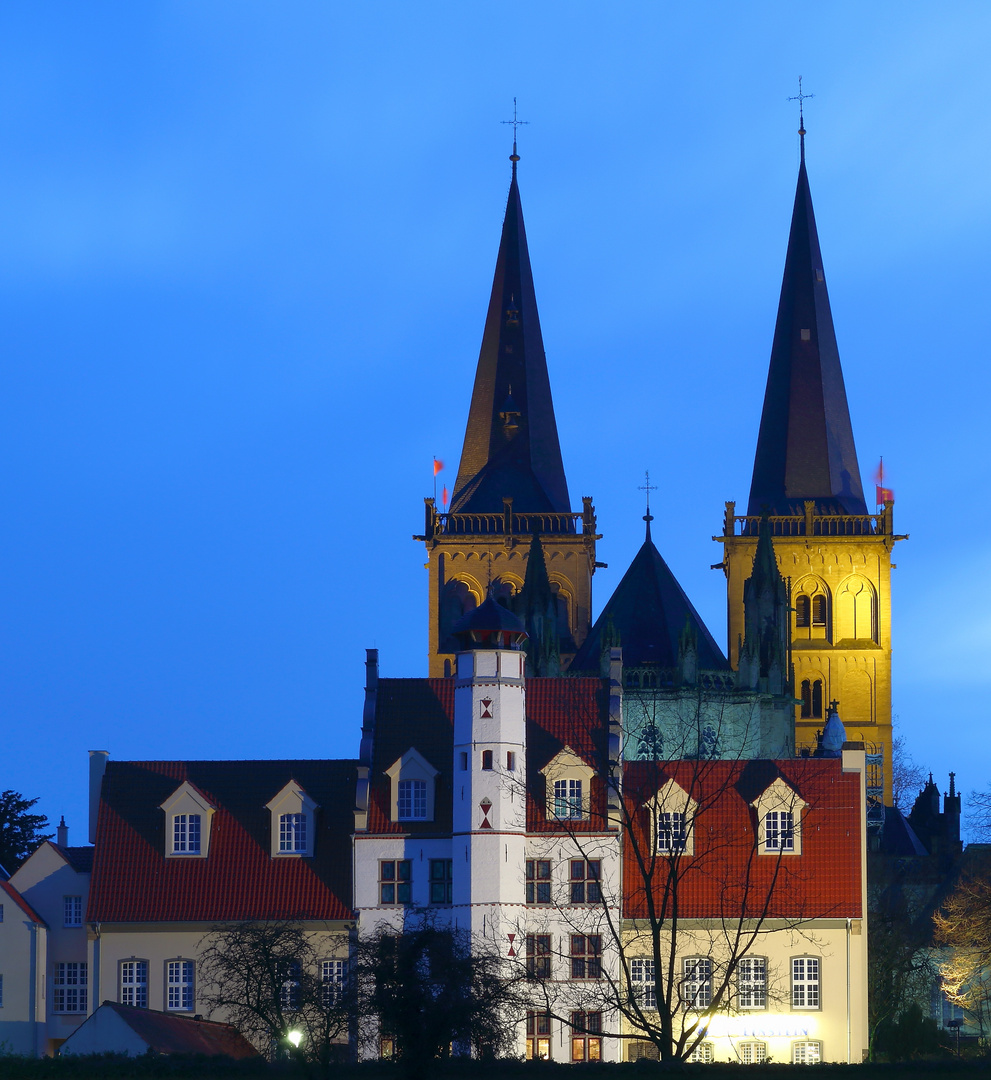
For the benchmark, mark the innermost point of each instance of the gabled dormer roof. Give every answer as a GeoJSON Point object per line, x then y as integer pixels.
{"type": "Point", "coordinates": [805, 448]}
{"type": "Point", "coordinates": [648, 612]}
{"type": "Point", "coordinates": [511, 446]}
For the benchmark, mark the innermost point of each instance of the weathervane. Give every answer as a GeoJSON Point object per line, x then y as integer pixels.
{"type": "Point", "coordinates": [648, 487]}
{"type": "Point", "coordinates": [516, 122]}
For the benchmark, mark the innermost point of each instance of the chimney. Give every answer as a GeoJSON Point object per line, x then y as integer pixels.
{"type": "Point", "coordinates": [62, 833]}
{"type": "Point", "coordinates": [97, 767]}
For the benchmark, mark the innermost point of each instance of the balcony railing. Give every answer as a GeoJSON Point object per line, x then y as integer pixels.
{"type": "Point", "coordinates": [810, 523]}
{"type": "Point", "coordinates": [509, 523]}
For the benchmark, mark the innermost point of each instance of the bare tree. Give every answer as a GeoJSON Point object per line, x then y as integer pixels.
{"type": "Point", "coordinates": [271, 979]}
{"type": "Point", "coordinates": [963, 927]}
{"type": "Point", "coordinates": [979, 815]}
{"type": "Point", "coordinates": [907, 777]}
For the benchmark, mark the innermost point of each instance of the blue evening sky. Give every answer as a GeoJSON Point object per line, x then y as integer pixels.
{"type": "Point", "coordinates": [246, 255]}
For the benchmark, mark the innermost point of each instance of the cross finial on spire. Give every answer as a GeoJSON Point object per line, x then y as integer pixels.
{"type": "Point", "coordinates": [516, 123]}
{"type": "Point", "coordinates": [801, 99]}
{"type": "Point", "coordinates": [647, 487]}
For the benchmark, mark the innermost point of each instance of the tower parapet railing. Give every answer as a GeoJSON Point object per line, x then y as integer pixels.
{"type": "Point", "coordinates": [509, 524]}
{"type": "Point", "coordinates": [811, 523]}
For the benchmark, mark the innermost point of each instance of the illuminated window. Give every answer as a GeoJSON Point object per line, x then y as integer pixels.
{"type": "Point", "coordinates": [808, 1052]}
{"type": "Point", "coordinates": [585, 876]}
{"type": "Point", "coordinates": [751, 979]}
{"type": "Point", "coordinates": [805, 989]}
{"type": "Point", "coordinates": [395, 881]}
{"type": "Point", "coordinates": [586, 1036]}
{"type": "Point", "coordinates": [702, 1054]}
{"type": "Point", "coordinates": [441, 880]}
{"type": "Point", "coordinates": [753, 1053]}
{"type": "Point", "coordinates": [179, 985]}
{"type": "Point", "coordinates": [538, 1036]}
{"type": "Point", "coordinates": [538, 881]}
{"type": "Point", "coordinates": [72, 910]}
{"type": "Point", "coordinates": [568, 800]}
{"type": "Point", "coordinates": [779, 831]}
{"type": "Point", "coordinates": [696, 985]}
{"type": "Point", "coordinates": [412, 800]}
{"type": "Point", "coordinates": [586, 956]}
{"type": "Point", "coordinates": [292, 833]}
{"type": "Point", "coordinates": [134, 983]}
{"type": "Point", "coordinates": [69, 988]}
{"type": "Point", "coordinates": [644, 986]}
{"type": "Point", "coordinates": [538, 956]}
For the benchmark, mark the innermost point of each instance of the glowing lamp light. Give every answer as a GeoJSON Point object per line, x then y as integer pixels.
{"type": "Point", "coordinates": [295, 1037]}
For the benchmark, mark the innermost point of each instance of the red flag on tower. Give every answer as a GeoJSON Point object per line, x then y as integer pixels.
{"type": "Point", "coordinates": [883, 494]}
{"type": "Point", "coordinates": [444, 497]}
{"type": "Point", "coordinates": [438, 465]}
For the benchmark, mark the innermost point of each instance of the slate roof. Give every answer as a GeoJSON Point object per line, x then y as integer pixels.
{"type": "Point", "coordinates": [133, 881]}
{"type": "Point", "coordinates": [420, 713]}
{"type": "Point", "coordinates": [723, 877]}
{"type": "Point", "coordinates": [79, 858]}
{"type": "Point", "coordinates": [167, 1033]}
{"type": "Point", "coordinates": [648, 611]}
{"type": "Point", "coordinates": [15, 896]}
{"type": "Point", "coordinates": [805, 447]}
{"type": "Point", "coordinates": [520, 458]}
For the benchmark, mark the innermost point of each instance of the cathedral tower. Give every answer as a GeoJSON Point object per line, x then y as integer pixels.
{"type": "Point", "coordinates": [511, 483]}
{"type": "Point", "coordinates": [806, 479]}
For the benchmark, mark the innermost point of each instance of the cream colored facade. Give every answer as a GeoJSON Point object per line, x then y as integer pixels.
{"type": "Point", "coordinates": [845, 642]}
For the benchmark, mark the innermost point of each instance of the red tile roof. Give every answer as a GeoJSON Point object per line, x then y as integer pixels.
{"type": "Point", "coordinates": [133, 881]}
{"type": "Point", "coordinates": [725, 876]}
{"type": "Point", "coordinates": [6, 887]}
{"type": "Point", "coordinates": [167, 1033]}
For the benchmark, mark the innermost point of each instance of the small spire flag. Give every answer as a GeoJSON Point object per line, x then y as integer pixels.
{"type": "Point", "coordinates": [884, 494]}
{"type": "Point", "coordinates": [445, 497]}
{"type": "Point", "coordinates": [438, 465]}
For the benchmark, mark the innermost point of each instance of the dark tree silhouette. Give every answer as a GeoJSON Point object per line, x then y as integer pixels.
{"type": "Point", "coordinates": [20, 831]}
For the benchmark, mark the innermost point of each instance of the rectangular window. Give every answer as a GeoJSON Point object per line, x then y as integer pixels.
{"type": "Point", "coordinates": [1, 912]}
{"type": "Point", "coordinates": [186, 834]}
{"type": "Point", "coordinates": [538, 881]}
{"type": "Point", "coordinates": [586, 1036]}
{"type": "Point", "coordinates": [441, 880]}
{"type": "Point", "coordinates": [538, 956]}
{"type": "Point", "coordinates": [464, 760]}
{"type": "Point", "coordinates": [751, 976]}
{"type": "Point", "coordinates": [179, 985]}
{"type": "Point", "coordinates": [568, 800]}
{"type": "Point", "coordinates": [585, 875]}
{"type": "Point", "coordinates": [292, 832]}
{"type": "Point", "coordinates": [333, 977]}
{"type": "Point", "coordinates": [644, 987]}
{"type": "Point", "coordinates": [395, 881]}
{"type": "Point", "coordinates": [487, 760]}
{"type": "Point", "coordinates": [753, 1053]}
{"type": "Point", "coordinates": [702, 1054]}
{"type": "Point", "coordinates": [134, 983]}
{"type": "Point", "coordinates": [779, 831]}
{"type": "Point", "coordinates": [412, 800]}
{"type": "Point", "coordinates": [805, 982]}
{"type": "Point", "coordinates": [72, 910]}
{"type": "Point", "coordinates": [806, 1053]}
{"type": "Point", "coordinates": [290, 974]}
{"type": "Point", "coordinates": [1, 991]}
{"type": "Point", "coordinates": [538, 1036]}
{"type": "Point", "coordinates": [586, 956]}
{"type": "Point", "coordinates": [69, 988]}
{"type": "Point", "coordinates": [672, 833]}
{"type": "Point", "coordinates": [696, 986]}
{"type": "Point", "coordinates": [510, 761]}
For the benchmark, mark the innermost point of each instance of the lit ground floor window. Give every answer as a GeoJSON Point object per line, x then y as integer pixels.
{"type": "Point", "coordinates": [808, 1052]}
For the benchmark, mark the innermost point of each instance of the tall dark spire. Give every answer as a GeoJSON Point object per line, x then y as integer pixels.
{"type": "Point", "coordinates": [511, 447]}
{"type": "Point", "coordinates": [805, 449]}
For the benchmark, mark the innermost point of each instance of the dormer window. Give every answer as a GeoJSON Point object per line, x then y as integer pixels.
{"type": "Point", "coordinates": [670, 815]}
{"type": "Point", "coordinates": [413, 781]}
{"type": "Point", "coordinates": [779, 819]}
{"type": "Point", "coordinates": [569, 786]}
{"type": "Point", "coordinates": [293, 822]}
{"type": "Point", "coordinates": [188, 814]}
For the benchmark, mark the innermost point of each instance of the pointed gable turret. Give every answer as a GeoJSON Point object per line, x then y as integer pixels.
{"type": "Point", "coordinates": [511, 447]}
{"type": "Point", "coordinates": [805, 449]}
{"type": "Point", "coordinates": [764, 659]}
{"type": "Point", "coordinates": [536, 605]}
{"type": "Point", "coordinates": [653, 619]}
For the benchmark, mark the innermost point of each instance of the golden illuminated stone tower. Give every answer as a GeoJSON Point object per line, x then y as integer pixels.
{"type": "Point", "coordinates": [511, 487]}
{"type": "Point", "coordinates": [834, 552]}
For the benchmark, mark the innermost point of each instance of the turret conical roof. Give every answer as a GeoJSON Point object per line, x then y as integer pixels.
{"type": "Point", "coordinates": [511, 446]}
{"type": "Point", "coordinates": [805, 449]}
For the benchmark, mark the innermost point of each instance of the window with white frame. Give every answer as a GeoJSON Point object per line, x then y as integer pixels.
{"type": "Point", "coordinates": [644, 985]}
{"type": "Point", "coordinates": [292, 833]}
{"type": "Point", "coordinates": [702, 1054]}
{"type": "Point", "coordinates": [670, 814]}
{"type": "Point", "coordinates": [333, 977]}
{"type": "Point", "coordinates": [751, 981]}
{"type": "Point", "coordinates": [72, 911]}
{"type": "Point", "coordinates": [779, 830]}
{"type": "Point", "coordinates": [568, 805]}
{"type": "Point", "coordinates": [69, 988]}
{"type": "Point", "coordinates": [696, 983]}
{"type": "Point", "coordinates": [672, 833]}
{"type": "Point", "coordinates": [134, 983]}
{"type": "Point", "coordinates": [807, 1052]}
{"type": "Point", "coordinates": [412, 800]}
{"type": "Point", "coordinates": [290, 974]}
{"type": "Point", "coordinates": [179, 986]}
{"type": "Point", "coordinates": [186, 833]}
{"type": "Point", "coordinates": [805, 987]}
{"type": "Point", "coordinates": [752, 1053]}
{"type": "Point", "coordinates": [188, 814]}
